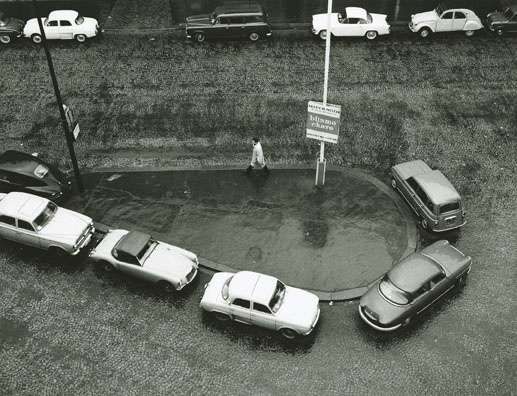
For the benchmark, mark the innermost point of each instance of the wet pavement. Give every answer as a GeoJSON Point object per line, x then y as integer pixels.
{"type": "Point", "coordinates": [333, 240]}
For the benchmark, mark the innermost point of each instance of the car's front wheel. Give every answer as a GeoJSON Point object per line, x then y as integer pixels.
{"type": "Point", "coordinates": [167, 287]}
{"type": "Point", "coordinates": [5, 39]}
{"type": "Point", "coordinates": [81, 38]}
{"type": "Point", "coordinates": [36, 38]}
{"type": "Point", "coordinates": [499, 32]}
{"type": "Point", "coordinates": [424, 32]}
{"type": "Point", "coordinates": [220, 316]}
{"type": "Point", "coordinates": [59, 252]}
{"type": "Point", "coordinates": [371, 35]}
{"type": "Point", "coordinates": [323, 35]}
{"type": "Point", "coordinates": [199, 37]}
{"type": "Point", "coordinates": [254, 36]}
{"type": "Point", "coordinates": [290, 334]}
{"type": "Point", "coordinates": [469, 33]}
{"type": "Point", "coordinates": [108, 267]}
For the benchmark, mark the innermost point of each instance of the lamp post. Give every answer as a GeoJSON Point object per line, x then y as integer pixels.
{"type": "Point", "coordinates": [68, 134]}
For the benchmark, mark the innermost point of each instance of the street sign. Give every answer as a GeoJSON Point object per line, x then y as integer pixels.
{"type": "Point", "coordinates": [323, 121]}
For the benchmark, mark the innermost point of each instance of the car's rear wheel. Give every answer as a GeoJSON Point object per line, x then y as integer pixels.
{"type": "Point", "coordinates": [36, 38]}
{"type": "Point", "coordinates": [469, 33]}
{"type": "Point", "coordinates": [5, 39]}
{"type": "Point", "coordinates": [371, 35]}
{"type": "Point", "coordinates": [199, 37]}
{"type": "Point", "coordinates": [167, 287]}
{"type": "Point", "coordinates": [393, 183]}
{"type": "Point", "coordinates": [499, 32]}
{"type": "Point", "coordinates": [108, 267]}
{"type": "Point", "coordinates": [59, 252]}
{"type": "Point", "coordinates": [81, 38]}
{"type": "Point", "coordinates": [424, 32]}
{"type": "Point", "coordinates": [254, 36]}
{"type": "Point", "coordinates": [220, 316]}
{"type": "Point", "coordinates": [290, 334]}
{"type": "Point", "coordinates": [323, 35]}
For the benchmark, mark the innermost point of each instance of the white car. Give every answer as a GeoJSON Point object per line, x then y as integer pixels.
{"type": "Point", "coordinates": [355, 22]}
{"type": "Point", "coordinates": [443, 19]}
{"type": "Point", "coordinates": [261, 300]}
{"type": "Point", "coordinates": [138, 254]}
{"type": "Point", "coordinates": [38, 222]}
{"type": "Point", "coordinates": [64, 25]}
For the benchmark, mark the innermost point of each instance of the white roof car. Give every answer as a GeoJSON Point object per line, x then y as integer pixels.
{"type": "Point", "coordinates": [354, 22]}
{"type": "Point", "coordinates": [38, 222]}
{"type": "Point", "coordinates": [62, 24]}
{"type": "Point", "coordinates": [261, 300]}
{"type": "Point", "coordinates": [138, 254]}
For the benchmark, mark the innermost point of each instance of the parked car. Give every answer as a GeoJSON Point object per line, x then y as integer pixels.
{"type": "Point", "coordinates": [355, 22]}
{"type": "Point", "coordinates": [430, 195]}
{"type": "Point", "coordinates": [10, 28]}
{"type": "Point", "coordinates": [38, 222]}
{"type": "Point", "coordinates": [64, 25]}
{"type": "Point", "coordinates": [412, 285]}
{"type": "Point", "coordinates": [232, 20]}
{"type": "Point", "coordinates": [503, 22]}
{"type": "Point", "coordinates": [443, 19]}
{"type": "Point", "coordinates": [261, 300]}
{"type": "Point", "coordinates": [140, 255]}
{"type": "Point", "coordinates": [28, 173]}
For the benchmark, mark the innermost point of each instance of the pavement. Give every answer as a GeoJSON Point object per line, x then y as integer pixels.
{"type": "Point", "coordinates": [333, 240]}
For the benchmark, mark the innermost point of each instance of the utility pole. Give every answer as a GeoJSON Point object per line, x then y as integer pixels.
{"type": "Point", "coordinates": [68, 134]}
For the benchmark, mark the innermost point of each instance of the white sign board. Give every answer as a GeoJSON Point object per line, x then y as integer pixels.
{"type": "Point", "coordinates": [323, 121]}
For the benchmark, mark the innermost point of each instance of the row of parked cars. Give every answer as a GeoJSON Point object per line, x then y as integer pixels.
{"type": "Point", "coordinates": [250, 20]}
{"type": "Point", "coordinates": [28, 216]}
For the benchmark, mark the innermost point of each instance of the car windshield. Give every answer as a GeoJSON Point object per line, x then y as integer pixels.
{"type": "Point", "coordinates": [146, 250]}
{"type": "Point", "coordinates": [508, 13]}
{"type": "Point", "coordinates": [439, 9]}
{"type": "Point", "coordinates": [226, 288]}
{"type": "Point", "coordinates": [45, 216]}
{"type": "Point", "coordinates": [393, 293]}
{"type": "Point", "coordinates": [278, 297]}
{"type": "Point", "coordinates": [79, 20]}
{"type": "Point", "coordinates": [369, 18]}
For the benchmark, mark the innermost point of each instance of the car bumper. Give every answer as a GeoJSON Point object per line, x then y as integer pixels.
{"type": "Point", "coordinates": [370, 322]}
{"type": "Point", "coordinates": [412, 27]}
{"type": "Point", "coordinates": [84, 242]}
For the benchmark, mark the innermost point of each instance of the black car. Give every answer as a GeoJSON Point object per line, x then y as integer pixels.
{"type": "Point", "coordinates": [232, 20]}
{"type": "Point", "coordinates": [28, 173]}
{"type": "Point", "coordinates": [10, 28]}
{"type": "Point", "coordinates": [502, 22]}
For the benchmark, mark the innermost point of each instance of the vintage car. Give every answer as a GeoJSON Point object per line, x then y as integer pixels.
{"type": "Point", "coordinates": [412, 285]}
{"type": "Point", "coordinates": [138, 254]}
{"type": "Point", "coordinates": [28, 173]}
{"type": "Point", "coordinates": [232, 20]}
{"type": "Point", "coordinates": [354, 22]}
{"type": "Point", "coordinates": [443, 19]}
{"type": "Point", "coordinates": [10, 28]}
{"type": "Point", "coordinates": [261, 300]}
{"type": "Point", "coordinates": [502, 22]}
{"type": "Point", "coordinates": [64, 25]}
{"type": "Point", "coordinates": [38, 222]}
{"type": "Point", "coordinates": [433, 198]}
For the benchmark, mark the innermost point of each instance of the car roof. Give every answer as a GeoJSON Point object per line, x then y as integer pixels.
{"type": "Point", "coordinates": [253, 286]}
{"type": "Point", "coordinates": [63, 14]}
{"type": "Point", "coordinates": [355, 12]}
{"type": "Point", "coordinates": [414, 271]}
{"type": "Point", "coordinates": [437, 187]}
{"type": "Point", "coordinates": [22, 205]}
{"type": "Point", "coordinates": [132, 243]}
{"type": "Point", "coordinates": [240, 7]}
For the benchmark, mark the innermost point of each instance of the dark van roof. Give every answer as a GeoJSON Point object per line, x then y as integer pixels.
{"type": "Point", "coordinates": [237, 7]}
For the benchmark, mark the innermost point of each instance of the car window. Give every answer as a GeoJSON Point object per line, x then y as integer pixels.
{"type": "Point", "coordinates": [353, 20]}
{"type": "Point", "coordinates": [235, 20]}
{"type": "Point", "coordinates": [225, 292]}
{"type": "Point", "coordinates": [261, 308]}
{"type": "Point", "coordinates": [253, 19]}
{"type": "Point", "coordinates": [449, 207]}
{"type": "Point", "coordinates": [7, 220]}
{"type": "Point", "coordinates": [459, 15]}
{"type": "Point", "coordinates": [79, 20]}
{"type": "Point", "coordinates": [437, 279]}
{"type": "Point", "coordinates": [126, 258]}
{"type": "Point", "coordinates": [65, 23]}
{"type": "Point", "coordinates": [221, 21]}
{"type": "Point", "coordinates": [413, 184]}
{"type": "Point", "coordinates": [25, 226]}
{"type": "Point", "coordinates": [393, 293]}
{"type": "Point", "coordinates": [241, 303]}
{"type": "Point", "coordinates": [362, 21]}
{"type": "Point", "coordinates": [52, 23]}
{"type": "Point", "coordinates": [278, 297]}
{"type": "Point", "coordinates": [447, 15]}
{"type": "Point", "coordinates": [425, 199]}
{"type": "Point", "coordinates": [45, 216]}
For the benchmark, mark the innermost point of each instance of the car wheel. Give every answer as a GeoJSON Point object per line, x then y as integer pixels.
{"type": "Point", "coordinates": [406, 321]}
{"type": "Point", "coordinates": [290, 334]}
{"type": "Point", "coordinates": [36, 38]}
{"type": "Point", "coordinates": [371, 35]}
{"type": "Point", "coordinates": [59, 252]}
{"type": "Point", "coordinates": [469, 33]}
{"type": "Point", "coordinates": [108, 267]}
{"type": "Point", "coordinates": [167, 287]}
{"type": "Point", "coordinates": [462, 281]}
{"type": "Point", "coordinates": [499, 32]}
{"type": "Point", "coordinates": [199, 37]}
{"type": "Point", "coordinates": [5, 39]}
{"type": "Point", "coordinates": [323, 35]}
{"type": "Point", "coordinates": [425, 226]}
{"type": "Point", "coordinates": [254, 36]}
{"type": "Point", "coordinates": [393, 183]}
{"type": "Point", "coordinates": [220, 316]}
{"type": "Point", "coordinates": [81, 38]}
{"type": "Point", "coordinates": [424, 32]}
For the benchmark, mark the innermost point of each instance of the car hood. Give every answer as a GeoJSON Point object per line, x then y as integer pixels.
{"type": "Point", "coordinates": [496, 17]}
{"type": "Point", "coordinates": [165, 260]}
{"type": "Point", "coordinates": [199, 20]}
{"type": "Point", "coordinates": [13, 24]}
{"type": "Point", "coordinates": [383, 311]}
{"type": "Point", "coordinates": [319, 21]}
{"type": "Point", "coordinates": [429, 16]}
{"type": "Point", "coordinates": [66, 226]}
{"type": "Point", "coordinates": [299, 306]}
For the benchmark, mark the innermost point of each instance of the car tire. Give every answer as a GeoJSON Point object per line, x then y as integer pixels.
{"type": "Point", "coordinates": [254, 36]}
{"type": "Point", "coordinates": [290, 334]}
{"type": "Point", "coordinates": [462, 281]}
{"type": "Point", "coordinates": [81, 38]}
{"type": "Point", "coordinates": [59, 252]}
{"type": "Point", "coordinates": [371, 35]}
{"type": "Point", "coordinates": [469, 33]}
{"type": "Point", "coordinates": [406, 321]}
{"type": "Point", "coordinates": [393, 183]}
{"type": "Point", "coordinates": [424, 32]}
{"type": "Point", "coordinates": [323, 34]}
{"type": "Point", "coordinates": [220, 316]}
{"type": "Point", "coordinates": [108, 267]}
{"type": "Point", "coordinates": [5, 39]}
{"type": "Point", "coordinates": [36, 38]}
{"type": "Point", "coordinates": [199, 37]}
{"type": "Point", "coordinates": [167, 287]}
{"type": "Point", "coordinates": [424, 224]}
{"type": "Point", "coordinates": [499, 32]}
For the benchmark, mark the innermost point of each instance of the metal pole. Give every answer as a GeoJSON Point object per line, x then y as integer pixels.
{"type": "Point", "coordinates": [68, 133]}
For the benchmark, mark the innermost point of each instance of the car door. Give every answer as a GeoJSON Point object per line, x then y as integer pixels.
{"type": "Point", "coordinates": [459, 21]}
{"type": "Point", "coordinates": [220, 28]}
{"type": "Point", "coordinates": [66, 30]}
{"type": "Point", "coordinates": [240, 310]}
{"type": "Point", "coordinates": [236, 26]}
{"type": "Point", "coordinates": [26, 234]}
{"type": "Point", "coordinates": [408, 190]}
{"type": "Point", "coordinates": [128, 264]}
{"type": "Point", "coordinates": [435, 288]}
{"type": "Point", "coordinates": [8, 227]}
{"type": "Point", "coordinates": [262, 316]}
{"type": "Point", "coordinates": [445, 23]}
{"type": "Point", "coordinates": [355, 28]}
{"type": "Point", "coordinates": [52, 29]}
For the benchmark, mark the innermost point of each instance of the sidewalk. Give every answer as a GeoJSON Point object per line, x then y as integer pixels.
{"type": "Point", "coordinates": [333, 241]}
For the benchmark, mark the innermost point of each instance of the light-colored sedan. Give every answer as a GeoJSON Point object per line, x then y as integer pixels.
{"type": "Point", "coordinates": [38, 222]}
{"type": "Point", "coordinates": [354, 22]}
{"type": "Point", "coordinates": [412, 285]}
{"type": "Point", "coordinates": [443, 19]}
{"type": "Point", "coordinates": [140, 255]}
{"type": "Point", "coordinates": [64, 25]}
{"type": "Point", "coordinates": [261, 300]}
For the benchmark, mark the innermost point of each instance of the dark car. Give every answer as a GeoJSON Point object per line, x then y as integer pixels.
{"type": "Point", "coordinates": [10, 28]}
{"type": "Point", "coordinates": [413, 284]}
{"type": "Point", "coordinates": [502, 22]}
{"type": "Point", "coordinates": [233, 20]}
{"type": "Point", "coordinates": [28, 173]}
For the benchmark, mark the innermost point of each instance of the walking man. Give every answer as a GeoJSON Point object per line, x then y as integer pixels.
{"type": "Point", "coordinates": [257, 158]}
